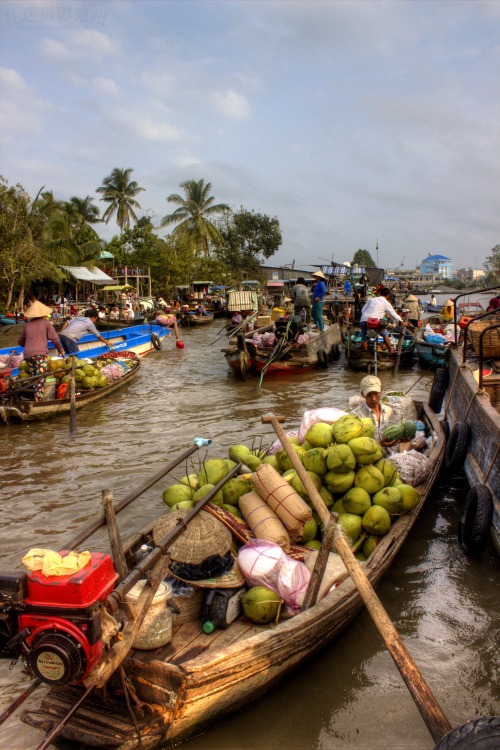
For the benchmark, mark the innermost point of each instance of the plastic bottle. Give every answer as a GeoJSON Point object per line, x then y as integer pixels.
{"type": "Point", "coordinates": [220, 608]}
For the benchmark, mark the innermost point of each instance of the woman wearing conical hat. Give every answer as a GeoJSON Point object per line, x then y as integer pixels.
{"type": "Point", "coordinates": [36, 334]}
{"type": "Point", "coordinates": [411, 304]}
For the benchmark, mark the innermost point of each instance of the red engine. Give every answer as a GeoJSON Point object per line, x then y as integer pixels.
{"type": "Point", "coordinates": [59, 619]}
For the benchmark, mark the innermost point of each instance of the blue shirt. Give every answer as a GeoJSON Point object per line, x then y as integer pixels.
{"type": "Point", "coordinates": [319, 291]}
{"type": "Point", "coordinates": [79, 327]}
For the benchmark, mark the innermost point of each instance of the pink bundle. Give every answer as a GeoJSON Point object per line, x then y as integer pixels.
{"type": "Point", "coordinates": [263, 563]}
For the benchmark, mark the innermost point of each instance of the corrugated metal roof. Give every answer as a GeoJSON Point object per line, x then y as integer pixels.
{"type": "Point", "coordinates": [95, 275]}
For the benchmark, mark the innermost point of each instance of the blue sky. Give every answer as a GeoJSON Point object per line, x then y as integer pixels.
{"type": "Point", "coordinates": [351, 122]}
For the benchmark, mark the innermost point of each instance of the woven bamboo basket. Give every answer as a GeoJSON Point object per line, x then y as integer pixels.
{"type": "Point", "coordinates": [491, 340]}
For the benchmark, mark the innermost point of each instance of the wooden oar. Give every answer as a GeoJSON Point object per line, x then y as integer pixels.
{"type": "Point", "coordinates": [435, 720]}
{"type": "Point", "coordinates": [72, 398]}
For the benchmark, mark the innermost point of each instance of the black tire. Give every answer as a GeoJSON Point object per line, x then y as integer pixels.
{"type": "Point", "coordinates": [456, 447]}
{"type": "Point", "coordinates": [335, 353]}
{"type": "Point", "coordinates": [478, 734]}
{"type": "Point", "coordinates": [322, 359]}
{"type": "Point", "coordinates": [446, 429]}
{"type": "Point", "coordinates": [155, 340]}
{"type": "Point", "coordinates": [439, 386]}
{"type": "Point", "coordinates": [475, 521]}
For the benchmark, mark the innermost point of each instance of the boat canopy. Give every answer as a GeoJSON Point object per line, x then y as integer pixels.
{"type": "Point", "coordinates": [276, 283]}
{"type": "Point", "coordinates": [95, 275]}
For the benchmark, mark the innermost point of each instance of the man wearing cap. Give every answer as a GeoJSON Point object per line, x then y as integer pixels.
{"type": "Point", "coordinates": [301, 299]}
{"type": "Point", "coordinates": [79, 327]}
{"type": "Point", "coordinates": [371, 389]}
{"type": "Point", "coordinates": [35, 336]}
{"type": "Point", "coordinates": [318, 295]}
{"type": "Point", "coordinates": [378, 307]}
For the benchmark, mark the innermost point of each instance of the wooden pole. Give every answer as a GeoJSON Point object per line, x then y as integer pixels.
{"type": "Point", "coordinates": [435, 720]}
{"type": "Point", "coordinates": [398, 356]}
{"type": "Point", "coordinates": [319, 566]}
{"type": "Point", "coordinates": [72, 398]}
{"type": "Point", "coordinates": [115, 541]}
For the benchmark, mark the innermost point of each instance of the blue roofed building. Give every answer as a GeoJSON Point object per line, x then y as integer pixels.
{"type": "Point", "coordinates": [437, 265]}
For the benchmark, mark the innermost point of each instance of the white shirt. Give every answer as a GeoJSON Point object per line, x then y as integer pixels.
{"type": "Point", "coordinates": [363, 410]}
{"type": "Point", "coordinates": [378, 307]}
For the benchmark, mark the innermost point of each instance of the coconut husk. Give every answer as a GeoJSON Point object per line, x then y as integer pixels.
{"type": "Point", "coordinates": [204, 536]}
{"type": "Point", "coordinates": [37, 310]}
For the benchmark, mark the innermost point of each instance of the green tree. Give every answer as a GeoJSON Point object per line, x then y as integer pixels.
{"type": "Point", "coordinates": [82, 211]}
{"type": "Point", "coordinates": [192, 215]}
{"type": "Point", "coordinates": [248, 236]}
{"type": "Point", "coordinates": [492, 265]}
{"type": "Point", "coordinates": [119, 191]}
{"type": "Point", "coordinates": [363, 258]}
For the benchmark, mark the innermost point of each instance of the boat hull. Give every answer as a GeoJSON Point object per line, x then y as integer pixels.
{"type": "Point", "coordinates": [431, 354]}
{"type": "Point", "coordinates": [365, 360]}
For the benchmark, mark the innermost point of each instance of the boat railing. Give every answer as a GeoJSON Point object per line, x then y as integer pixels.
{"type": "Point", "coordinates": [467, 294]}
{"type": "Point", "coordinates": [466, 332]}
{"type": "Point", "coordinates": [494, 326]}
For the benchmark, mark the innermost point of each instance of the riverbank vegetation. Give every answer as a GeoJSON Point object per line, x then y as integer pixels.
{"type": "Point", "coordinates": [207, 240]}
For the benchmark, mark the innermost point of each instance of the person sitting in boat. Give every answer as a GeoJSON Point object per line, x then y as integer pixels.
{"type": "Point", "coordinates": [379, 413]}
{"type": "Point", "coordinates": [433, 300]}
{"type": "Point", "coordinates": [377, 308]}
{"type": "Point", "coordinates": [411, 304]}
{"type": "Point", "coordinates": [73, 311]}
{"type": "Point", "coordinates": [128, 313]}
{"type": "Point", "coordinates": [34, 338]}
{"type": "Point", "coordinates": [115, 313]}
{"type": "Point", "coordinates": [79, 327]}
{"type": "Point", "coordinates": [201, 309]}
{"type": "Point", "coordinates": [237, 319]}
{"type": "Point", "coordinates": [101, 311]}
{"type": "Point", "coordinates": [494, 304]}
{"type": "Point", "coordinates": [56, 315]}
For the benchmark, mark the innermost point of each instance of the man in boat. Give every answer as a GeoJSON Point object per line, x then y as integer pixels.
{"type": "Point", "coordinates": [411, 304]}
{"type": "Point", "coordinates": [79, 327]}
{"type": "Point", "coordinates": [34, 337]}
{"type": "Point", "coordinates": [301, 299]}
{"type": "Point", "coordinates": [115, 313]}
{"type": "Point", "coordinates": [318, 295]}
{"type": "Point", "coordinates": [376, 308]}
{"type": "Point", "coordinates": [433, 300]}
{"type": "Point", "coordinates": [380, 414]}
{"type": "Point", "coordinates": [201, 309]}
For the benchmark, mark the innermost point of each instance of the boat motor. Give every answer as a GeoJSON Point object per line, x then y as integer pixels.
{"type": "Point", "coordinates": [55, 622]}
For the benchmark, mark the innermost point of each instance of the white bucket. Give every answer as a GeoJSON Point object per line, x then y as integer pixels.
{"type": "Point", "coordinates": [156, 628]}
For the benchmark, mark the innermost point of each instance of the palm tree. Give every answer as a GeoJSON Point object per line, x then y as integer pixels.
{"type": "Point", "coordinates": [192, 212]}
{"type": "Point", "coordinates": [82, 211]}
{"type": "Point", "coordinates": [119, 191]}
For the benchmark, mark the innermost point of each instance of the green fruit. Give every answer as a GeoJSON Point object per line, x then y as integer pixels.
{"type": "Point", "coordinates": [213, 471]}
{"type": "Point", "coordinates": [260, 605]}
{"type": "Point", "coordinates": [409, 429]}
{"type": "Point", "coordinates": [396, 481]}
{"type": "Point", "coordinates": [88, 369]}
{"type": "Point", "coordinates": [293, 439]}
{"type": "Point", "coordinates": [88, 382]}
{"type": "Point", "coordinates": [390, 499]}
{"type": "Point", "coordinates": [320, 435]}
{"type": "Point", "coordinates": [313, 544]}
{"type": "Point", "coordinates": [297, 485]}
{"type": "Point", "coordinates": [388, 469]}
{"type": "Point", "coordinates": [284, 461]}
{"type": "Point", "coordinates": [183, 504]}
{"type": "Point", "coordinates": [340, 459]}
{"type": "Point", "coordinates": [176, 494]}
{"type": "Point", "coordinates": [410, 497]}
{"type": "Point", "coordinates": [234, 489]}
{"type": "Point", "coordinates": [203, 491]}
{"type": "Point", "coordinates": [357, 500]}
{"type": "Point", "coordinates": [339, 483]}
{"type": "Point", "coordinates": [79, 374]}
{"type": "Point", "coordinates": [306, 445]}
{"type": "Point", "coordinates": [376, 520]}
{"type": "Point", "coordinates": [351, 524]}
{"type": "Point", "coordinates": [102, 382]}
{"type": "Point", "coordinates": [191, 480]}
{"type": "Point", "coordinates": [232, 509]}
{"type": "Point", "coordinates": [272, 461]}
{"type": "Point", "coordinates": [313, 460]}
{"type": "Point", "coordinates": [326, 496]}
{"type": "Point", "coordinates": [253, 462]}
{"type": "Point", "coordinates": [347, 428]}
{"type": "Point", "coordinates": [239, 452]}
{"type": "Point", "coordinates": [393, 432]}
{"type": "Point", "coordinates": [230, 464]}
{"type": "Point", "coordinates": [338, 506]}
{"type": "Point", "coordinates": [310, 530]}
{"type": "Point", "coordinates": [360, 556]}
{"type": "Point", "coordinates": [370, 479]}
{"type": "Point", "coordinates": [370, 544]}
{"type": "Point", "coordinates": [366, 450]}
{"type": "Point", "coordinates": [368, 427]}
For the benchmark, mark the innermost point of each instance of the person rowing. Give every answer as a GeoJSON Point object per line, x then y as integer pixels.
{"type": "Point", "coordinates": [78, 328]}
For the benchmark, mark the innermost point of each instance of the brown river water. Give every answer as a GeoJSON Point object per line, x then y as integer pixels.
{"type": "Point", "coordinates": [350, 696]}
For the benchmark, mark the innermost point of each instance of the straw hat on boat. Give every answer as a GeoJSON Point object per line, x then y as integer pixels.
{"type": "Point", "coordinates": [320, 274]}
{"type": "Point", "coordinates": [37, 310]}
{"type": "Point", "coordinates": [204, 536]}
{"type": "Point", "coordinates": [411, 298]}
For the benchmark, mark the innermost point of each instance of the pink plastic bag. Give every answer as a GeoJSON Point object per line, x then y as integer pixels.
{"type": "Point", "coordinates": [263, 563]}
{"type": "Point", "coordinates": [328, 415]}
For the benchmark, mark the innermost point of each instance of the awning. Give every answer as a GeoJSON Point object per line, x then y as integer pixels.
{"type": "Point", "coordinates": [276, 283]}
{"type": "Point", "coordinates": [95, 275]}
{"type": "Point", "coordinates": [116, 288]}
{"type": "Point", "coordinates": [106, 255]}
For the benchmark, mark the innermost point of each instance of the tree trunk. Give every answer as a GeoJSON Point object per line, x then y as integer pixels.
{"type": "Point", "coordinates": [20, 298]}
{"type": "Point", "coordinates": [9, 293]}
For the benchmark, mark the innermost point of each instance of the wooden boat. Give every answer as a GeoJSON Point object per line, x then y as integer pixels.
{"type": "Point", "coordinates": [106, 324]}
{"type": "Point", "coordinates": [15, 408]}
{"type": "Point", "coordinates": [472, 413]}
{"type": "Point", "coordinates": [432, 308]}
{"type": "Point", "coordinates": [192, 319]}
{"type": "Point", "coordinates": [286, 357]}
{"type": "Point", "coordinates": [199, 679]}
{"type": "Point", "coordinates": [365, 360]}
{"type": "Point", "coordinates": [435, 355]}
{"type": "Point", "coordinates": [140, 340]}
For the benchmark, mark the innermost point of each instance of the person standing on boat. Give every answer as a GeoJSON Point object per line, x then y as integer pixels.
{"type": "Point", "coordinates": [79, 327]}
{"type": "Point", "coordinates": [301, 299]}
{"type": "Point", "coordinates": [378, 308]}
{"type": "Point", "coordinates": [411, 304]}
{"type": "Point", "coordinates": [34, 338]}
{"type": "Point", "coordinates": [380, 414]}
{"type": "Point", "coordinates": [318, 295]}
{"type": "Point", "coordinates": [433, 300]}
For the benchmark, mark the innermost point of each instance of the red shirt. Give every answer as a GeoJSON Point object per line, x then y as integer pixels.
{"type": "Point", "coordinates": [36, 333]}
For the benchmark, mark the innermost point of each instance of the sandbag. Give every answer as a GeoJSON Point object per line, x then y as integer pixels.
{"type": "Point", "coordinates": [402, 408]}
{"type": "Point", "coordinates": [263, 521]}
{"type": "Point", "coordinates": [335, 571]}
{"type": "Point", "coordinates": [288, 505]}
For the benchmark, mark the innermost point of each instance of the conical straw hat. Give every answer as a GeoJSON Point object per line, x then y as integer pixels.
{"type": "Point", "coordinates": [204, 536]}
{"type": "Point", "coordinates": [320, 274]}
{"type": "Point", "coordinates": [37, 310]}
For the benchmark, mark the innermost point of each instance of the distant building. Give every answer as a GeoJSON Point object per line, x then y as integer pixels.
{"type": "Point", "coordinates": [439, 265]}
{"type": "Point", "coordinates": [469, 274]}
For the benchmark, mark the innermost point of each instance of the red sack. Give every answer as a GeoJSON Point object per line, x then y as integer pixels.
{"type": "Point", "coordinates": [61, 390]}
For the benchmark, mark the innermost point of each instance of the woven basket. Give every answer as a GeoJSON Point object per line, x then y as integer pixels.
{"type": "Point", "coordinates": [491, 340]}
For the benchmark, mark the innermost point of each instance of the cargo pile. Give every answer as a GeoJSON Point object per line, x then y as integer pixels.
{"type": "Point", "coordinates": [89, 374]}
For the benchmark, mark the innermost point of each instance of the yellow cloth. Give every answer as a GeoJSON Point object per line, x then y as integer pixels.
{"type": "Point", "coordinates": [52, 564]}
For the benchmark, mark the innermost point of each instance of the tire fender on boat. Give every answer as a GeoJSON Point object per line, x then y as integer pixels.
{"type": "Point", "coordinates": [478, 734]}
{"type": "Point", "coordinates": [475, 521]}
{"type": "Point", "coordinates": [456, 447]}
{"type": "Point", "coordinates": [322, 358]}
{"type": "Point", "coordinates": [439, 386]}
{"type": "Point", "coordinates": [156, 341]}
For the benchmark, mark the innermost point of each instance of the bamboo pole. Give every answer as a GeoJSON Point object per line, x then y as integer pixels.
{"type": "Point", "coordinates": [435, 720]}
{"type": "Point", "coordinates": [72, 397]}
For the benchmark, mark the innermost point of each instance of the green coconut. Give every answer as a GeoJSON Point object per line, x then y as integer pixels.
{"type": "Point", "coordinates": [390, 499]}
{"type": "Point", "coordinates": [370, 479]}
{"type": "Point", "coordinates": [272, 461]}
{"type": "Point", "coordinates": [234, 489]}
{"type": "Point", "coordinates": [357, 500]}
{"type": "Point", "coordinates": [339, 483]}
{"type": "Point", "coordinates": [213, 471]}
{"type": "Point", "coordinates": [232, 509]}
{"type": "Point", "coordinates": [376, 520]}
{"type": "Point", "coordinates": [310, 530]}
{"type": "Point", "coordinates": [260, 605]}
{"type": "Point", "coordinates": [176, 494]}
{"type": "Point", "coordinates": [360, 556]}
{"type": "Point", "coordinates": [191, 480]}
{"type": "Point", "coordinates": [370, 544]}
{"type": "Point", "coordinates": [230, 463]}
{"type": "Point", "coordinates": [366, 450]}
{"type": "Point", "coordinates": [340, 459]}
{"type": "Point", "coordinates": [368, 427]}
{"type": "Point", "coordinates": [326, 496]}
{"type": "Point", "coordinates": [338, 506]}
{"type": "Point", "coordinates": [253, 462]}
{"type": "Point", "coordinates": [388, 469]}
{"type": "Point", "coordinates": [347, 428]}
{"type": "Point", "coordinates": [297, 485]}
{"type": "Point", "coordinates": [314, 460]}
{"type": "Point", "coordinates": [203, 491]}
{"type": "Point", "coordinates": [320, 435]}
{"type": "Point", "coordinates": [239, 452]}
{"type": "Point", "coordinates": [183, 505]}
{"type": "Point", "coordinates": [284, 462]}
{"type": "Point", "coordinates": [351, 524]}
{"type": "Point", "coordinates": [313, 544]}
{"type": "Point", "coordinates": [410, 497]}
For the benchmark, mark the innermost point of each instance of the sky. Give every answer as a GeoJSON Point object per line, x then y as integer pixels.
{"type": "Point", "coordinates": [351, 122]}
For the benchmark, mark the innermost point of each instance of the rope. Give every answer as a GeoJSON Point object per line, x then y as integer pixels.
{"type": "Point", "coordinates": [129, 705]}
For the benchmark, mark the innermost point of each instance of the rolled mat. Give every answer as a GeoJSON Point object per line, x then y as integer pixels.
{"type": "Point", "coordinates": [288, 505]}
{"type": "Point", "coordinates": [263, 521]}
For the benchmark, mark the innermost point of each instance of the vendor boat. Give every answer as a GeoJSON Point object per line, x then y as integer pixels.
{"type": "Point", "coordinates": [193, 319]}
{"type": "Point", "coordinates": [431, 353]}
{"type": "Point", "coordinates": [106, 324]}
{"type": "Point", "coordinates": [381, 359]}
{"type": "Point", "coordinates": [18, 405]}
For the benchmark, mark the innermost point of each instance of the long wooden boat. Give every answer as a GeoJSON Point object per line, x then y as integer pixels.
{"type": "Point", "coordinates": [140, 340]}
{"type": "Point", "coordinates": [199, 679]}
{"type": "Point", "coordinates": [434, 355]}
{"type": "Point", "coordinates": [365, 360]}
{"type": "Point", "coordinates": [472, 406]}
{"type": "Point", "coordinates": [6, 320]}
{"type": "Point", "coordinates": [106, 324]}
{"type": "Point", "coordinates": [286, 358]}
{"type": "Point", "coordinates": [192, 319]}
{"type": "Point", "coordinates": [15, 408]}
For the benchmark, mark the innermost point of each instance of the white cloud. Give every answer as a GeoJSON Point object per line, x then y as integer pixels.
{"type": "Point", "coordinates": [10, 79]}
{"type": "Point", "coordinates": [94, 44]}
{"type": "Point", "coordinates": [105, 86]}
{"type": "Point", "coordinates": [233, 104]}
{"type": "Point", "coordinates": [54, 51]}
